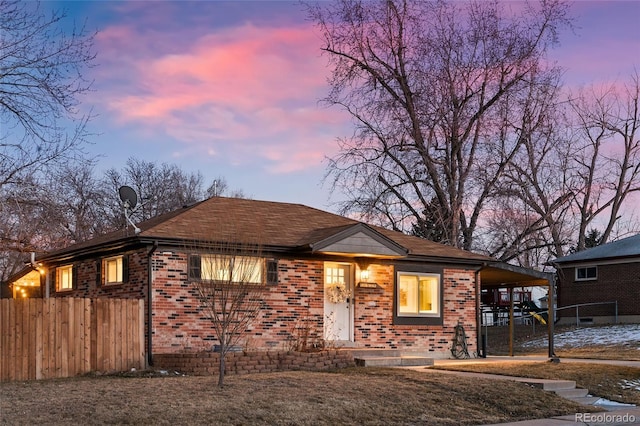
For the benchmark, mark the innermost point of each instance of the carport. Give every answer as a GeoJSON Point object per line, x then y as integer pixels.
{"type": "Point", "coordinates": [500, 275]}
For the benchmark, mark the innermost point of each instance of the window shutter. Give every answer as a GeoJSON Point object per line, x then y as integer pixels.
{"type": "Point", "coordinates": [98, 272]}
{"type": "Point", "coordinates": [54, 279]}
{"type": "Point", "coordinates": [195, 263]}
{"type": "Point", "coordinates": [74, 277]}
{"type": "Point", "coordinates": [272, 271]}
{"type": "Point", "coordinates": [125, 268]}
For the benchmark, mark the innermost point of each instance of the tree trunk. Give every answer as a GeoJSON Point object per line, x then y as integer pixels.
{"type": "Point", "coordinates": [221, 367]}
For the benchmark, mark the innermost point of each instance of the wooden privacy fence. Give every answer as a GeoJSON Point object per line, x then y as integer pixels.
{"type": "Point", "coordinates": [64, 337]}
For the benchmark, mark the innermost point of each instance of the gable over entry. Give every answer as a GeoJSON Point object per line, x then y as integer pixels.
{"type": "Point", "coordinates": [357, 240]}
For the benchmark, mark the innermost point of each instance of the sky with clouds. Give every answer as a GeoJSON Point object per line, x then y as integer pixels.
{"type": "Point", "coordinates": [231, 88]}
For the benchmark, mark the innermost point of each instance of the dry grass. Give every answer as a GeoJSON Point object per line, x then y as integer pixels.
{"type": "Point", "coordinates": [619, 352]}
{"type": "Point", "coordinates": [498, 344]}
{"type": "Point", "coordinates": [351, 396]}
{"type": "Point", "coordinates": [606, 381]}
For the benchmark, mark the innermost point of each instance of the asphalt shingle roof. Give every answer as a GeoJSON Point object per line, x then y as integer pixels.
{"type": "Point", "coordinates": [627, 247]}
{"type": "Point", "coordinates": [274, 224]}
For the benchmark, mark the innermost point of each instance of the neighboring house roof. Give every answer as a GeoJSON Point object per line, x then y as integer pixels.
{"type": "Point", "coordinates": [277, 226]}
{"type": "Point", "coordinates": [627, 247]}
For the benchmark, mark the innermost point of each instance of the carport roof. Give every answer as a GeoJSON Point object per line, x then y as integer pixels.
{"type": "Point", "coordinates": [504, 275]}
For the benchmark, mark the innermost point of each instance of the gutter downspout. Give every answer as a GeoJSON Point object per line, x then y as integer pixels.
{"type": "Point", "coordinates": [150, 251]}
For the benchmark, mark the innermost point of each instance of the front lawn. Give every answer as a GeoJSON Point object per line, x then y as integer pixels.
{"type": "Point", "coordinates": [355, 396]}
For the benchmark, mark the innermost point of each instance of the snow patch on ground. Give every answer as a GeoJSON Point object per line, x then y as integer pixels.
{"type": "Point", "coordinates": [628, 334]}
{"type": "Point", "coordinates": [606, 402]}
{"type": "Point", "coordinates": [630, 384]}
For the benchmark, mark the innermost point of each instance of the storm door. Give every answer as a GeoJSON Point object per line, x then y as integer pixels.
{"type": "Point", "coordinates": [338, 303]}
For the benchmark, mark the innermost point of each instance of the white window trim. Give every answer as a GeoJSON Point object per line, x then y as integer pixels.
{"type": "Point", "coordinates": [438, 296]}
{"type": "Point", "coordinates": [106, 270]}
{"type": "Point", "coordinates": [59, 271]}
{"type": "Point", "coordinates": [588, 278]}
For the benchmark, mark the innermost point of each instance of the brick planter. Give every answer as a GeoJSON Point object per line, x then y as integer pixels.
{"type": "Point", "coordinates": [206, 363]}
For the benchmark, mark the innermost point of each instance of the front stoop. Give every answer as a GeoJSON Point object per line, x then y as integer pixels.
{"type": "Point", "coordinates": [567, 389]}
{"type": "Point", "coordinates": [572, 393]}
{"type": "Point", "coordinates": [391, 358]}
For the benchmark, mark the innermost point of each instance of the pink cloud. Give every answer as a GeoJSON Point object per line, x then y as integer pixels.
{"type": "Point", "coordinates": [244, 92]}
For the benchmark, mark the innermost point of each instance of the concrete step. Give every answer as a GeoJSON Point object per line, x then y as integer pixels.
{"type": "Point", "coordinates": [412, 361]}
{"type": "Point", "coordinates": [377, 361]}
{"type": "Point", "coordinates": [572, 393]}
{"type": "Point", "coordinates": [553, 385]}
{"type": "Point", "coordinates": [373, 352]}
{"type": "Point", "coordinates": [585, 400]}
{"type": "Point", "coordinates": [393, 361]}
{"type": "Point", "coordinates": [372, 357]}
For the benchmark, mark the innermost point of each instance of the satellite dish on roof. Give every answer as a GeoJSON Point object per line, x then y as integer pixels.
{"type": "Point", "coordinates": [128, 196]}
{"type": "Point", "coordinates": [129, 200]}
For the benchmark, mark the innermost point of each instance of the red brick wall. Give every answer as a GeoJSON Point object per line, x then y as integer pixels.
{"type": "Point", "coordinates": [89, 285]}
{"type": "Point", "coordinates": [619, 282]}
{"type": "Point", "coordinates": [374, 314]}
{"type": "Point", "coordinates": [178, 325]}
{"type": "Point", "coordinates": [292, 307]}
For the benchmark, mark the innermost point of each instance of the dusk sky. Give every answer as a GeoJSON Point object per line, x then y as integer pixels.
{"type": "Point", "coordinates": [231, 88]}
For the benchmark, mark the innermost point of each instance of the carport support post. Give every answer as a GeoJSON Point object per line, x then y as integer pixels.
{"type": "Point", "coordinates": [511, 325]}
{"type": "Point", "coordinates": [551, 316]}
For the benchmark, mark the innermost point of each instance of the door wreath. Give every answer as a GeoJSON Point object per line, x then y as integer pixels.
{"type": "Point", "coordinates": [337, 293]}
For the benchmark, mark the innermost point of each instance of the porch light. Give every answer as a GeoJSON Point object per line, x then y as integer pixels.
{"type": "Point", "coordinates": [364, 274]}
{"type": "Point", "coordinates": [364, 279]}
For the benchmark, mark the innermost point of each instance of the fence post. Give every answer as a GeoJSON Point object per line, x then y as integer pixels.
{"type": "Point", "coordinates": [616, 319]}
{"type": "Point", "coordinates": [577, 317]}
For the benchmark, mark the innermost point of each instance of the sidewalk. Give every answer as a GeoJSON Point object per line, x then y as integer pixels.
{"type": "Point", "coordinates": [624, 417]}
{"type": "Point", "coordinates": [614, 416]}
{"type": "Point", "coordinates": [533, 358]}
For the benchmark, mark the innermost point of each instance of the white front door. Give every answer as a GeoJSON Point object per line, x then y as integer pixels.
{"type": "Point", "coordinates": [337, 302]}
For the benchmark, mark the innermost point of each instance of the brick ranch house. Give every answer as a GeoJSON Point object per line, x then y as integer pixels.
{"type": "Point", "coordinates": [401, 292]}
{"type": "Point", "coordinates": [602, 274]}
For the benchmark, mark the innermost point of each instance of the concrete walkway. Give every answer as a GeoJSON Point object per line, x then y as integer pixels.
{"type": "Point", "coordinates": [533, 358]}
{"type": "Point", "coordinates": [615, 414]}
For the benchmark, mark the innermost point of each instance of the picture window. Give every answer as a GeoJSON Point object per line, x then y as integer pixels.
{"type": "Point", "coordinates": [418, 294]}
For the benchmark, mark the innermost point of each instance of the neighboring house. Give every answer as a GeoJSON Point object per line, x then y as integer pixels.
{"type": "Point", "coordinates": [597, 276]}
{"type": "Point", "coordinates": [401, 291]}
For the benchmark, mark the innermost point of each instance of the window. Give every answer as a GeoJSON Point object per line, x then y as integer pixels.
{"type": "Point", "coordinates": [418, 294]}
{"type": "Point", "coordinates": [115, 270]}
{"type": "Point", "coordinates": [587, 273]}
{"type": "Point", "coordinates": [233, 269]}
{"type": "Point", "coordinates": [64, 277]}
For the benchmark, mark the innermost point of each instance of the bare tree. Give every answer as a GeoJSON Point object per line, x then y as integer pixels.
{"type": "Point", "coordinates": [579, 165]}
{"type": "Point", "coordinates": [230, 281]}
{"type": "Point", "coordinates": [531, 203]}
{"type": "Point", "coordinates": [49, 212]}
{"type": "Point", "coordinates": [161, 188]}
{"type": "Point", "coordinates": [41, 82]}
{"type": "Point", "coordinates": [608, 155]}
{"type": "Point", "coordinates": [429, 86]}
{"type": "Point", "coordinates": [76, 204]}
